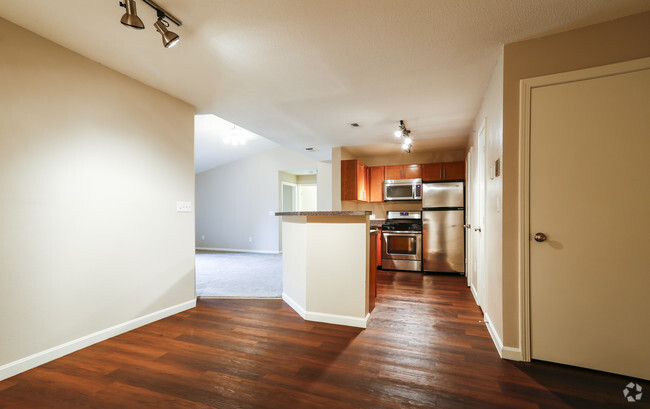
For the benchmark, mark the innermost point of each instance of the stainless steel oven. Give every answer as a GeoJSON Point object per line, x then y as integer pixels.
{"type": "Point", "coordinates": [402, 241]}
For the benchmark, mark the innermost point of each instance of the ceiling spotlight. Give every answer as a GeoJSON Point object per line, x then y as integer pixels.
{"type": "Point", "coordinates": [130, 18]}
{"type": "Point", "coordinates": [169, 38]}
{"type": "Point", "coordinates": [405, 135]}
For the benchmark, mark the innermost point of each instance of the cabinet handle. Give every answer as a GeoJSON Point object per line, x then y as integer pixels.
{"type": "Point", "coordinates": [440, 172]}
{"type": "Point", "coordinates": [444, 173]}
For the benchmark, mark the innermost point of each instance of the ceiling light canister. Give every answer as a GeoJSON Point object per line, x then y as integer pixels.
{"type": "Point", "coordinates": [169, 38]}
{"type": "Point", "coordinates": [130, 18]}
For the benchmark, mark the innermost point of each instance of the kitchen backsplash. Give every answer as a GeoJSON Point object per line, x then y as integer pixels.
{"type": "Point", "coordinates": [379, 209]}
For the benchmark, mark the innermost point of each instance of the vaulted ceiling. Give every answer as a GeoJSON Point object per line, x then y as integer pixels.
{"type": "Point", "coordinates": [299, 72]}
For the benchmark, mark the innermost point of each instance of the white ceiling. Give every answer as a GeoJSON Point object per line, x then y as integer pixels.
{"type": "Point", "coordinates": [298, 72]}
{"type": "Point", "coordinates": [211, 149]}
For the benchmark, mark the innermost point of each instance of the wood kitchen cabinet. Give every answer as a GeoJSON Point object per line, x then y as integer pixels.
{"type": "Point", "coordinates": [432, 172]}
{"type": "Point", "coordinates": [376, 183]}
{"type": "Point", "coordinates": [403, 172]}
{"type": "Point", "coordinates": [354, 180]}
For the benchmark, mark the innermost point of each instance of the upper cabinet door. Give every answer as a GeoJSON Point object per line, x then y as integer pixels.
{"type": "Point", "coordinates": [403, 172]}
{"type": "Point", "coordinates": [362, 182]}
{"type": "Point", "coordinates": [431, 172]}
{"type": "Point", "coordinates": [393, 172]}
{"type": "Point", "coordinates": [454, 170]}
{"type": "Point", "coordinates": [376, 184]}
{"type": "Point", "coordinates": [354, 183]}
{"type": "Point", "coordinates": [412, 172]}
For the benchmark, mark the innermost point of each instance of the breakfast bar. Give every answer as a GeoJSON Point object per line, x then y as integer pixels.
{"type": "Point", "coordinates": [326, 267]}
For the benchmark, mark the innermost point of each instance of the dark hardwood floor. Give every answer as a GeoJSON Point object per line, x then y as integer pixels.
{"type": "Point", "coordinates": [424, 348]}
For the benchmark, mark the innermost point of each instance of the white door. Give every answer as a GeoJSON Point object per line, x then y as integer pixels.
{"type": "Point", "coordinates": [478, 222]}
{"type": "Point", "coordinates": [590, 197]}
{"type": "Point", "coordinates": [469, 204]}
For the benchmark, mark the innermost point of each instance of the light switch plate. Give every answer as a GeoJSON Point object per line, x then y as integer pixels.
{"type": "Point", "coordinates": [184, 207]}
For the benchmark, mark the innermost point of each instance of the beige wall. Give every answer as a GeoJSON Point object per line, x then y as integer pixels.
{"type": "Point", "coordinates": [324, 186]}
{"type": "Point", "coordinates": [490, 115]}
{"type": "Point", "coordinates": [614, 41]}
{"type": "Point", "coordinates": [306, 179]}
{"type": "Point", "coordinates": [92, 164]}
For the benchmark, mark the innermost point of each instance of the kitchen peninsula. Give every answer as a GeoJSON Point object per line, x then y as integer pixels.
{"type": "Point", "coordinates": [326, 273]}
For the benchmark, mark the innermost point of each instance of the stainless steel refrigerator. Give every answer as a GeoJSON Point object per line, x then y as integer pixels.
{"type": "Point", "coordinates": [443, 234]}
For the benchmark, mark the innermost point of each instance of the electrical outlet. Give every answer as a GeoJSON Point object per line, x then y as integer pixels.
{"type": "Point", "coordinates": [203, 237]}
{"type": "Point", "coordinates": [250, 239]}
{"type": "Point", "coordinates": [184, 207]}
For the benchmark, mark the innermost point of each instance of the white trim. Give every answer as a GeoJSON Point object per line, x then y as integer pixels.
{"type": "Point", "coordinates": [39, 358]}
{"type": "Point", "coordinates": [338, 319]}
{"type": "Point", "coordinates": [513, 354]}
{"type": "Point", "coordinates": [293, 304]}
{"type": "Point", "coordinates": [328, 318]}
{"type": "Point", "coordinates": [474, 294]}
{"type": "Point", "coordinates": [238, 250]}
{"type": "Point", "coordinates": [295, 196]}
{"type": "Point", "coordinates": [526, 87]}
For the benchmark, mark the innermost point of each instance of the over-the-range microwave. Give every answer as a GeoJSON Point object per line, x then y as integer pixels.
{"type": "Point", "coordinates": [402, 189]}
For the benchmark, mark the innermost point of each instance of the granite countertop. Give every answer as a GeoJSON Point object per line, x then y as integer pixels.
{"type": "Point", "coordinates": [326, 213]}
{"type": "Point", "coordinates": [377, 222]}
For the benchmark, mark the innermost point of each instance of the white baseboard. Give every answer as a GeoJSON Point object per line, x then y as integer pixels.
{"type": "Point", "coordinates": [513, 354]}
{"type": "Point", "coordinates": [328, 318]}
{"type": "Point", "coordinates": [293, 304]}
{"type": "Point", "coordinates": [474, 294]}
{"type": "Point", "coordinates": [238, 250]}
{"type": "Point", "coordinates": [39, 358]}
{"type": "Point", "coordinates": [338, 319]}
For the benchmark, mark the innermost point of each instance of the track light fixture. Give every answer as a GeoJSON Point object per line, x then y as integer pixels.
{"type": "Point", "coordinates": [169, 38]}
{"type": "Point", "coordinates": [131, 19]}
{"type": "Point", "coordinates": [404, 135]}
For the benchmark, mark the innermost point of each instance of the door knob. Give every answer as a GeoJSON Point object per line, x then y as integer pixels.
{"type": "Point", "coordinates": [478, 229]}
{"type": "Point", "coordinates": [467, 226]}
{"type": "Point", "coordinates": [540, 237]}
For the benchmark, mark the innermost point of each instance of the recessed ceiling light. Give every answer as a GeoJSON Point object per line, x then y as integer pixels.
{"type": "Point", "coordinates": [311, 149]}
{"type": "Point", "coordinates": [354, 124]}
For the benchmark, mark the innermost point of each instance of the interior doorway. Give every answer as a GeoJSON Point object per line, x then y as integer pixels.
{"type": "Point", "coordinates": [288, 197]}
{"type": "Point", "coordinates": [585, 150]}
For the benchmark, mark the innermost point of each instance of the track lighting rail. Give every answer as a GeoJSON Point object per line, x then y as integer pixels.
{"type": "Point", "coordinates": [166, 13]}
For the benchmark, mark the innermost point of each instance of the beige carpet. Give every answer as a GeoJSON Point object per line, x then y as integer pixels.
{"type": "Point", "coordinates": [222, 274]}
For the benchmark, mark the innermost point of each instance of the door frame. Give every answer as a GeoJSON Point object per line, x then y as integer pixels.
{"type": "Point", "coordinates": [525, 92]}
{"type": "Point", "coordinates": [478, 226]}
{"type": "Point", "coordinates": [469, 197]}
{"type": "Point", "coordinates": [295, 196]}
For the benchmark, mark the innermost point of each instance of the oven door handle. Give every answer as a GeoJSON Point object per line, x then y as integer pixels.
{"type": "Point", "coordinates": [401, 232]}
